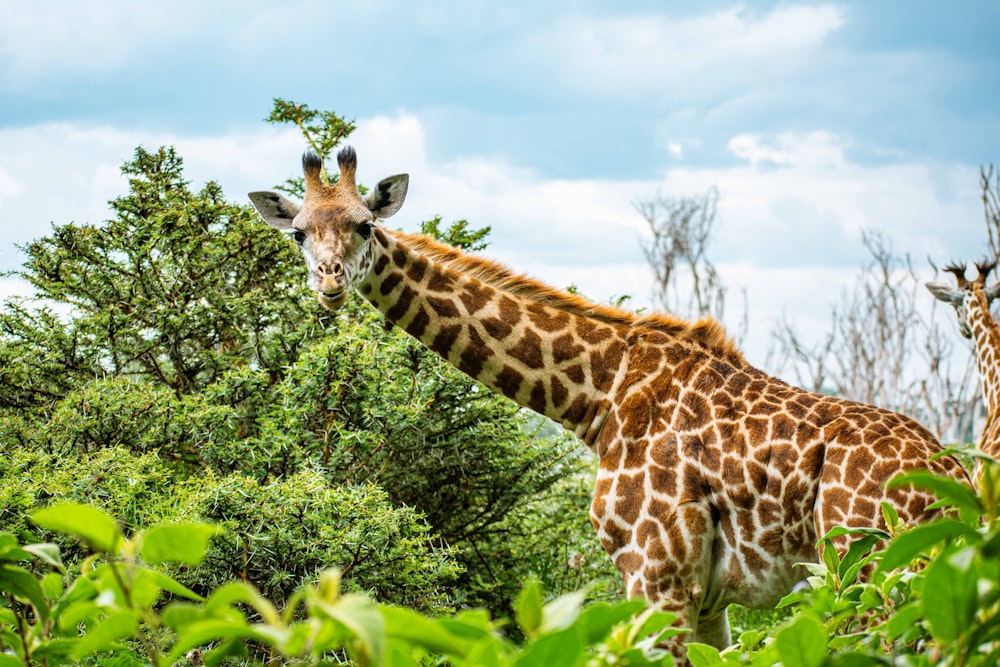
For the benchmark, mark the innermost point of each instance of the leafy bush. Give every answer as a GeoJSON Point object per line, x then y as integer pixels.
{"type": "Point", "coordinates": [122, 609]}
{"type": "Point", "coordinates": [931, 597]}
{"type": "Point", "coordinates": [277, 534]}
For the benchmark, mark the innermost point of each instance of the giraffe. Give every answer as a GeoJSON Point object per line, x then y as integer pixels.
{"type": "Point", "coordinates": [972, 304]}
{"type": "Point", "coordinates": [714, 479]}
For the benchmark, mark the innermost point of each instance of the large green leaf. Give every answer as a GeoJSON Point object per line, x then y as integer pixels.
{"type": "Point", "coordinates": [214, 630]}
{"type": "Point", "coordinates": [703, 655]}
{"type": "Point", "coordinates": [914, 542]}
{"type": "Point", "coordinates": [361, 616]}
{"type": "Point", "coordinates": [802, 642]}
{"type": "Point", "coordinates": [418, 630]}
{"type": "Point", "coordinates": [562, 612]}
{"type": "Point", "coordinates": [103, 637]}
{"type": "Point", "coordinates": [951, 491]}
{"type": "Point", "coordinates": [597, 619]}
{"type": "Point", "coordinates": [177, 543]}
{"type": "Point", "coordinates": [560, 649]}
{"type": "Point", "coordinates": [23, 585]}
{"type": "Point", "coordinates": [949, 597]}
{"type": "Point", "coordinates": [528, 609]}
{"type": "Point", "coordinates": [89, 524]}
{"type": "Point", "coordinates": [47, 552]}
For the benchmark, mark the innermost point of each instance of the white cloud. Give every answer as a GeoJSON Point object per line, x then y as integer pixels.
{"type": "Point", "coordinates": [816, 149]}
{"type": "Point", "coordinates": [787, 229]}
{"type": "Point", "coordinates": [70, 37]}
{"type": "Point", "coordinates": [627, 55]}
{"type": "Point", "coordinates": [14, 287]}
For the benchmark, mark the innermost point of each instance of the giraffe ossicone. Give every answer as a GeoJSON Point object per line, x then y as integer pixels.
{"type": "Point", "coordinates": [972, 299]}
{"type": "Point", "coordinates": [714, 479]}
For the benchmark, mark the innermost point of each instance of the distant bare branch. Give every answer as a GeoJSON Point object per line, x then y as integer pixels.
{"type": "Point", "coordinates": [687, 283]}
{"type": "Point", "coordinates": [989, 183]}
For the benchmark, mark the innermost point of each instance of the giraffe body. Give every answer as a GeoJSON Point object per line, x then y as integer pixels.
{"type": "Point", "coordinates": [714, 479]}
{"type": "Point", "coordinates": [972, 301]}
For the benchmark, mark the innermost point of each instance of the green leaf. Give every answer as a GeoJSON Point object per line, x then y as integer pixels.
{"type": "Point", "coordinates": [47, 552]}
{"type": "Point", "coordinates": [89, 524]}
{"type": "Point", "coordinates": [653, 622]}
{"type": "Point", "coordinates": [949, 490]}
{"type": "Point", "coordinates": [703, 655]}
{"type": "Point", "coordinates": [802, 642]}
{"type": "Point", "coordinates": [915, 542]}
{"type": "Point", "coordinates": [890, 515]}
{"type": "Point", "coordinates": [904, 619]}
{"type": "Point", "coordinates": [418, 630]}
{"type": "Point", "coordinates": [238, 591]}
{"type": "Point", "coordinates": [560, 649]}
{"type": "Point", "coordinates": [9, 548]}
{"type": "Point", "coordinates": [22, 584]}
{"type": "Point", "coordinates": [9, 661]}
{"type": "Point", "coordinates": [561, 612]}
{"type": "Point", "coordinates": [170, 585]}
{"type": "Point", "coordinates": [361, 616]}
{"type": "Point", "coordinates": [232, 648]}
{"type": "Point", "coordinates": [831, 558]}
{"type": "Point", "coordinates": [949, 598]}
{"type": "Point", "coordinates": [856, 551]}
{"type": "Point", "coordinates": [528, 609]}
{"type": "Point", "coordinates": [114, 627]}
{"type": "Point", "coordinates": [52, 585]}
{"type": "Point", "coordinates": [177, 543]}
{"type": "Point", "coordinates": [599, 618]}
{"type": "Point", "coordinates": [212, 630]}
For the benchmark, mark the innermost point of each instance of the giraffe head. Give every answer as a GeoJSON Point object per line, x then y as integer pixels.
{"type": "Point", "coordinates": [334, 223]}
{"type": "Point", "coordinates": [959, 298]}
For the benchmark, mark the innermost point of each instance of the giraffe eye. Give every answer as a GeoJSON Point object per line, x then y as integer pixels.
{"type": "Point", "coordinates": [365, 230]}
{"type": "Point", "coordinates": [299, 236]}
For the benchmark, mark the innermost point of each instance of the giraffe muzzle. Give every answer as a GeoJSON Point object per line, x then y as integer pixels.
{"type": "Point", "coordinates": [333, 300]}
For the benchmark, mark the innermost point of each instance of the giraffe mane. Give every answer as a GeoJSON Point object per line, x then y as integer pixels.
{"type": "Point", "coordinates": [706, 330]}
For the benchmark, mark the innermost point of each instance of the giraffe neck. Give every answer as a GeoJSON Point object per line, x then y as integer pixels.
{"type": "Point", "coordinates": [986, 335]}
{"type": "Point", "coordinates": [559, 364]}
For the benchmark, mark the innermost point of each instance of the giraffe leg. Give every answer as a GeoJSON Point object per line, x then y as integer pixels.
{"type": "Point", "coordinates": [714, 630]}
{"type": "Point", "coordinates": [667, 560]}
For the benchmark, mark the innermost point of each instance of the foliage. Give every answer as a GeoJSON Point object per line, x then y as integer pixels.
{"type": "Point", "coordinates": [926, 595]}
{"type": "Point", "coordinates": [123, 609]}
{"type": "Point", "coordinates": [277, 533]}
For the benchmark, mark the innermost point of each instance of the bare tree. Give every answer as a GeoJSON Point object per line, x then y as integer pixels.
{"type": "Point", "coordinates": [687, 282]}
{"type": "Point", "coordinates": [989, 183]}
{"type": "Point", "coordinates": [883, 350]}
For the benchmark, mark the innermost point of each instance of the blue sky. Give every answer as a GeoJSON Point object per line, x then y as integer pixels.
{"type": "Point", "coordinates": [544, 120]}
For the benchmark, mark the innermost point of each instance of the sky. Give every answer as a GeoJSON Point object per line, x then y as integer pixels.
{"type": "Point", "coordinates": [545, 121]}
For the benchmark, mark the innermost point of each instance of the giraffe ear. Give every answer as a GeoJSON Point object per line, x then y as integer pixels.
{"type": "Point", "coordinates": [386, 197]}
{"type": "Point", "coordinates": [992, 291]}
{"type": "Point", "coordinates": [277, 210]}
{"type": "Point", "coordinates": [945, 293]}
